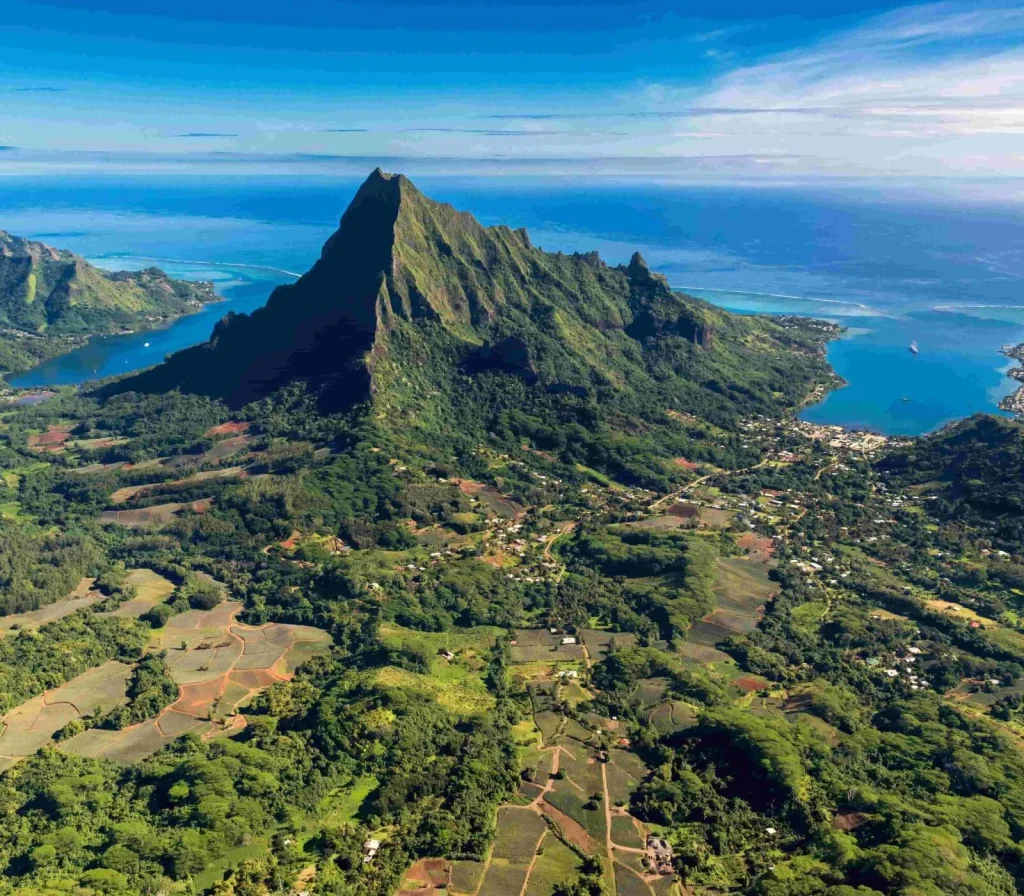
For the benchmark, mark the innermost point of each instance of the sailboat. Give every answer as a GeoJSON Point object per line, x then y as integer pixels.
{"type": "Point", "coordinates": [913, 348]}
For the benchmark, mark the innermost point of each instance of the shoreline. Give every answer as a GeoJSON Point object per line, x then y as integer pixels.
{"type": "Point", "coordinates": [1014, 402]}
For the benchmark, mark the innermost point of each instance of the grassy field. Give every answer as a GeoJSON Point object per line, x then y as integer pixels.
{"type": "Point", "coordinates": [503, 880]}
{"type": "Point", "coordinates": [151, 588]}
{"type": "Point", "coordinates": [555, 864]}
{"type": "Point", "coordinates": [466, 877]}
{"type": "Point", "coordinates": [519, 833]}
{"type": "Point", "coordinates": [625, 832]}
{"type": "Point", "coordinates": [459, 691]}
{"type": "Point", "coordinates": [627, 883]}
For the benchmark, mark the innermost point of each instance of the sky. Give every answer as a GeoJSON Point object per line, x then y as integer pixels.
{"type": "Point", "coordinates": [793, 89]}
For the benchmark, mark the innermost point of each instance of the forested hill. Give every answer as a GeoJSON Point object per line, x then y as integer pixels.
{"type": "Point", "coordinates": [49, 297]}
{"type": "Point", "coordinates": [974, 469]}
{"type": "Point", "coordinates": [418, 307]}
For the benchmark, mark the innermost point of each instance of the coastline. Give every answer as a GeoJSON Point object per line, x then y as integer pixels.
{"type": "Point", "coordinates": [148, 324]}
{"type": "Point", "coordinates": [1014, 402]}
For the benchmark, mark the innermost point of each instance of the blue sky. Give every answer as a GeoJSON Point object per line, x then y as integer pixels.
{"type": "Point", "coordinates": [840, 89]}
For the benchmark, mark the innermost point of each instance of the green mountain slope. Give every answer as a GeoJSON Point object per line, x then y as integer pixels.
{"type": "Point", "coordinates": [975, 471]}
{"type": "Point", "coordinates": [419, 309]}
{"type": "Point", "coordinates": [51, 298]}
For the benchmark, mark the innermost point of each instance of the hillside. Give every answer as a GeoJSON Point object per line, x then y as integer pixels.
{"type": "Point", "coordinates": [430, 317]}
{"type": "Point", "coordinates": [975, 471]}
{"type": "Point", "coordinates": [51, 298]}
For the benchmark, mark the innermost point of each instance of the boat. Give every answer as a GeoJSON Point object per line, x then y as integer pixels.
{"type": "Point", "coordinates": [905, 398]}
{"type": "Point", "coordinates": [913, 348]}
{"type": "Point", "coordinates": [145, 345]}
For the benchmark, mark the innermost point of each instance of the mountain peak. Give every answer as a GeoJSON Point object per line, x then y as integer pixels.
{"type": "Point", "coordinates": [407, 277]}
{"type": "Point", "coordinates": [383, 187]}
{"type": "Point", "coordinates": [637, 265]}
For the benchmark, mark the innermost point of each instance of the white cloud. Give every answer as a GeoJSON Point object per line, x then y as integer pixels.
{"type": "Point", "coordinates": [927, 90]}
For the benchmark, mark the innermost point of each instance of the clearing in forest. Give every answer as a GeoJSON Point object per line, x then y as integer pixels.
{"type": "Point", "coordinates": [30, 726]}
{"type": "Point", "coordinates": [151, 589]}
{"type": "Point", "coordinates": [130, 491]}
{"type": "Point", "coordinates": [157, 515]}
{"type": "Point", "coordinates": [82, 596]}
{"type": "Point", "coordinates": [742, 588]}
{"type": "Point", "coordinates": [219, 665]}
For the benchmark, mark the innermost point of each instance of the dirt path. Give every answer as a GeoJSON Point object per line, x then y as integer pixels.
{"type": "Point", "coordinates": [606, 802]}
{"type": "Point", "coordinates": [533, 861]}
{"type": "Point", "coordinates": [565, 530]}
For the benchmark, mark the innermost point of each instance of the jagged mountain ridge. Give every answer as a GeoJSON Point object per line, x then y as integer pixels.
{"type": "Point", "coordinates": [410, 295]}
{"type": "Point", "coordinates": [43, 289]}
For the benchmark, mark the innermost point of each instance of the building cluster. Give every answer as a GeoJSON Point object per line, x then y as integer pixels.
{"type": "Point", "coordinates": [659, 855]}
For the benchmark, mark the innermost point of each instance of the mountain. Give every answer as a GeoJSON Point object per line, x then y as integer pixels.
{"type": "Point", "coordinates": [430, 317]}
{"type": "Point", "coordinates": [50, 298]}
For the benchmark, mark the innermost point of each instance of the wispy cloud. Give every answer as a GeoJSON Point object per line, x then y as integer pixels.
{"type": "Point", "coordinates": [928, 89]}
{"type": "Point", "coordinates": [343, 131]}
{"type": "Point", "coordinates": [509, 132]}
{"type": "Point", "coordinates": [192, 134]}
{"type": "Point", "coordinates": [8, 148]}
{"type": "Point", "coordinates": [33, 89]}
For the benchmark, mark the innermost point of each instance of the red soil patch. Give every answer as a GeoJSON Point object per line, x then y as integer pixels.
{"type": "Point", "coordinates": [290, 541]}
{"type": "Point", "coordinates": [756, 544]}
{"type": "Point", "coordinates": [202, 505]}
{"type": "Point", "coordinates": [254, 678]}
{"type": "Point", "coordinates": [684, 463]}
{"type": "Point", "coordinates": [748, 684]}
{"type": "Point", "coordinates": [427, 876]}
{"type": "Point", "coordinates": [196, 699]}
{"type": "Point", "coordinates": [471, 487]}
{"type": "Point", "coordinates": [684, 511]}
{"type": "Point", "coordinates": [54, 437]}
{"type": "Point", "coordinates": [231, 428]}
{"type": "Point", "coordinates": [573, 830]}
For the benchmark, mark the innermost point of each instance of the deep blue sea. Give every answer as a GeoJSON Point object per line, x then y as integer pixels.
{"type": "Point", "coordinates": [945, 274]}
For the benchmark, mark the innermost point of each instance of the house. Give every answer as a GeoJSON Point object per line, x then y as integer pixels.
{"type": "Point", "coordinates": [447, 654]}
{"type": "Point", "coordinates": [370, 848]}
{"type": "Point", "coordinates": [568, 639]}
{"type": "Point", "coordinates": [659, 855]}
{"type": "Point", "coordinates": [568, 673]}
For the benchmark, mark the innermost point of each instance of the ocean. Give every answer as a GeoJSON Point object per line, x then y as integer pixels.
{"type": "Point", "coordinates": [943, 273]}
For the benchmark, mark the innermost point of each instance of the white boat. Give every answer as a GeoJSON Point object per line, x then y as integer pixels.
{"type": "Point", "coordinates": [913, 348]}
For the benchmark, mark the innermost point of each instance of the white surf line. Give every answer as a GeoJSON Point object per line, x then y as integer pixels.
{"type": "Point", "coordinates": [961, 307]}
{"type": "Point", "coordinates": [209, 264]}
{"type": "Point", "coordinates": [780, 295]}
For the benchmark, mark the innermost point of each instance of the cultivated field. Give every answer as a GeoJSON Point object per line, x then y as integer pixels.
{"type": "Point", "coordinates": [151, 517]}
{"type": "Point", "coordinates": [219, 665]}
{"type": "Point", "coordinates": [151, 588]}
{"type": "Point", "coordinates": [32, 725]}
